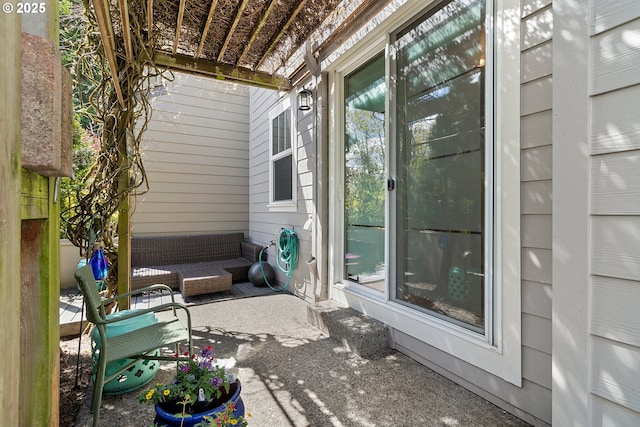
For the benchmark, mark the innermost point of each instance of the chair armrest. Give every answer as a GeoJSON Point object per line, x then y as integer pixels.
{"type": "Point", "coordinates": [140, 312]}
{"type": "Point", "coordinates": [250, 251]}
{"type": "Point", "coordinates": [158, 286]}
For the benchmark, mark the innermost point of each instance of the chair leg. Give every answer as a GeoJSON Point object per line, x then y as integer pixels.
{"type": "Point", "coordinates": [98, 385]}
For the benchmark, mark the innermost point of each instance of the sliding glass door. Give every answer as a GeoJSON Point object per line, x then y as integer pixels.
{"type": "Point", "coordinates": [364, 175]}
{"type": "Point", "coordinates": [440, 191]}
{"type": "Point", "coordinates": [441, 163]}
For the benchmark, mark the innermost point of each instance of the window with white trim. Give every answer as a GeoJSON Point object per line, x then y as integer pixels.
{"type": "Point", "coordinates": [281, 157]}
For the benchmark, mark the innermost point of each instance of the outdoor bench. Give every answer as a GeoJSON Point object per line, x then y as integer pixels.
{"type": "Point", "coordinates": [195, 264]}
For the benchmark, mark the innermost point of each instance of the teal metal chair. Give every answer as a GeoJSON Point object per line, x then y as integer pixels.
{"type": "Point", "coordinates": [137, 344]}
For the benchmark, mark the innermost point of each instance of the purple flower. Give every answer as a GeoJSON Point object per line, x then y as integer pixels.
{"type": "Point", "coordinates": [206, 365]}
{"type": "Point", "coordinates": [184, 368]}
{"type": "Point", "coordinates": [216, 382]}
{"type": "Point", "coordinates": [206, 352]}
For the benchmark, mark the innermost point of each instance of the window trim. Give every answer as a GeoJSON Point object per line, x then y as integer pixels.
{"type": "Point", "coordinates": [283, 205]}
{"type": "Point", "coordinates": [503, 355]}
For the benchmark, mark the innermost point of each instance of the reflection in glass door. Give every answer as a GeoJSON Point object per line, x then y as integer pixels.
{"type": "Point", "coordinates": [440, 227]}
{"type": "Point", "coordinates": [364, 180]}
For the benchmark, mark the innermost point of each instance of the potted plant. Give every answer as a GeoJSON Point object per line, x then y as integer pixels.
{"type": "Point", "coordinates": [203, 387]}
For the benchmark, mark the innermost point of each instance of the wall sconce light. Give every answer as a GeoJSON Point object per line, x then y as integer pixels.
{"type": "Point", "coordinates": [305, 97]}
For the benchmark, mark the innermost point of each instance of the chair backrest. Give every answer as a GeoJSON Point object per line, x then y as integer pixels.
{"type": "Point", "coordinates": [89, 289]}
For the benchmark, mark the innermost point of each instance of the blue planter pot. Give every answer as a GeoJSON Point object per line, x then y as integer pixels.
{"type": "Point", "coordinates": [164, 418]}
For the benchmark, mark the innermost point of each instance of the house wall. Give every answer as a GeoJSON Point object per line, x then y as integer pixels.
{"type": "Point", "coordinates": [265, 224]}
{"type": "Point", "coordinates": [598, 146]}
{"type": "Point", "coordinates": [196, 156]}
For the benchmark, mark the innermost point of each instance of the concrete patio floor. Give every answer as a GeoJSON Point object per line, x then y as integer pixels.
{"type": "Point", "coordinates": [293, 374]}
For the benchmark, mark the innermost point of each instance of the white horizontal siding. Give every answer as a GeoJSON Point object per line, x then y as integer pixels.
{"type": "Point", "coordinates": [196, 155]}
{"type": "Point", "coordinates": [536, 197]}
{"type": "Point", "coordinates": [615, 188]}
{"type": "Point", "coordinates": [536, 96]}
{"type": "Point", "coordinates": [608, 414]}
{"type": "Point", "coordinates": [615, 246]}
{"type": "Point", "coordinates": [607, 14]}
{"type": "Point", "coordinates": [266, 223]}
{"type": "Point", "coordinates": [536, 170]}
{"type": "Point", "coordinates": [614, 310]}
{"type": "Point", "coordinates": [616, 58]}
{"type": "Point", "coordinates": [536, 163]}
{"type": "Point", "coordinates": [537, 28]}
{"type": "Point", "coordinates": [614, 371]}
{"type": "Point", "coordinates": [536, 130]}
{"type": "Point", "coordinates": [615, 206]}
{"type": "Point", "coordinates": [615, 122]}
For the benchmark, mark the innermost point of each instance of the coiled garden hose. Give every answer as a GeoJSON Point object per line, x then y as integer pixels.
{"type": "Point", "coordinates": [287, 256]}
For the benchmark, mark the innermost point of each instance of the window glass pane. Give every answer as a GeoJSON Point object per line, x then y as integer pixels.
{"type": "Point", "coordinates": [364, 165]}
{"type": "Point", "coordinates": [282, 179]}
{"type": "Point", "coordinates": [441, 151]}
{"type": "Point", "coordinates": [286, 137]}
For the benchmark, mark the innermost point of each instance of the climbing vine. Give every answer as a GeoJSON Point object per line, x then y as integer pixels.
{"type": "Point", "coordinates": [118, 171]}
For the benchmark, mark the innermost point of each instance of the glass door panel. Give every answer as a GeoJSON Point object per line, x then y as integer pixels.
{"type": "Point", "coordinates": [364, 180]}
{"type": "Point", "coordinates": [441, 162]}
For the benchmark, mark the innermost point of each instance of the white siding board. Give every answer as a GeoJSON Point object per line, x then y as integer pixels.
{"type": "Point", "coordinates": [197, 217]}
{"type": "Point", "coordinates": [615, 246]}
{"type": "Point", "coordinates": [536, 63]}
{"type": "Point", "coordinates": [536, 163]}
{"type": "Point", "coordinates": [536, 129]}
{"type": "Point", "coordinates": [537, 28]}
{"type": "Point", "coordinates": [210, 189]}
{"type": "Point", "coordinates": [536, 333]}
{"type": "Point", "coordinates": [536, 96]}
{"type": "Point", "coordinates": [536, 366]}
{"type": "Point", "coordinates": [536, 231]}
{"type": "Point", "coordinates": [203, 207]}
{"type": "Point", "coordinates": [611, 365]}
{"type": "Point", "coordinates": [176, 122]}
{"type": "Point", "coordinates": [194, 170]}
{"type": "Point", "coordinates": [224, 139]}
{"type": "Point", "coordinates": [605, 413]}
{"type": "Point", "coordinates": [616, 58]}
{"type": "Point", "coordinates": [202, 159]}
{"type": "Point", "coordinates": [531, 6]}
{"type": "Point", "coordinates": [536, 197]}
{"type": "Point", "coordinates": [614, 310]}
{"type": "Point", "coordinates": [606, 14]}
{"type": "Point", "coordinates": [185, 199]}
{"type": "Point", "coordinates": [238, 179]}
{"type": "Point", "coordinates": [615, 185]}
{"type": "Point", "coordinates": [615, 122]}
{"type": "Point", "coordinates": [187, 130]}
{"type": "Point", "coordinates": [536, 265]}
{"type": "Point", "coordinates": [537, 299]}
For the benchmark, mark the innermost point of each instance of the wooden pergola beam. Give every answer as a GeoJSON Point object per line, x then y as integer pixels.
{"type": "Point", "coordinates": [207, 24]}
{"type": "Point", "coordinates": [232, 29]}
{"type": "Point", "coordinates": [101, 8]}
{"type": "Point", "coordinates": [219, 71]}
{"type": "Point", "coordinates": [283, 30]}
{"type": "Point", "coordinates": [256, 31]}
{"type": "Point", "coordinates": [179, 25]}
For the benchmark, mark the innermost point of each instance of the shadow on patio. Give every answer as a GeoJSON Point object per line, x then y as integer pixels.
{"type": "Point", "coordinates": [294, 375]}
